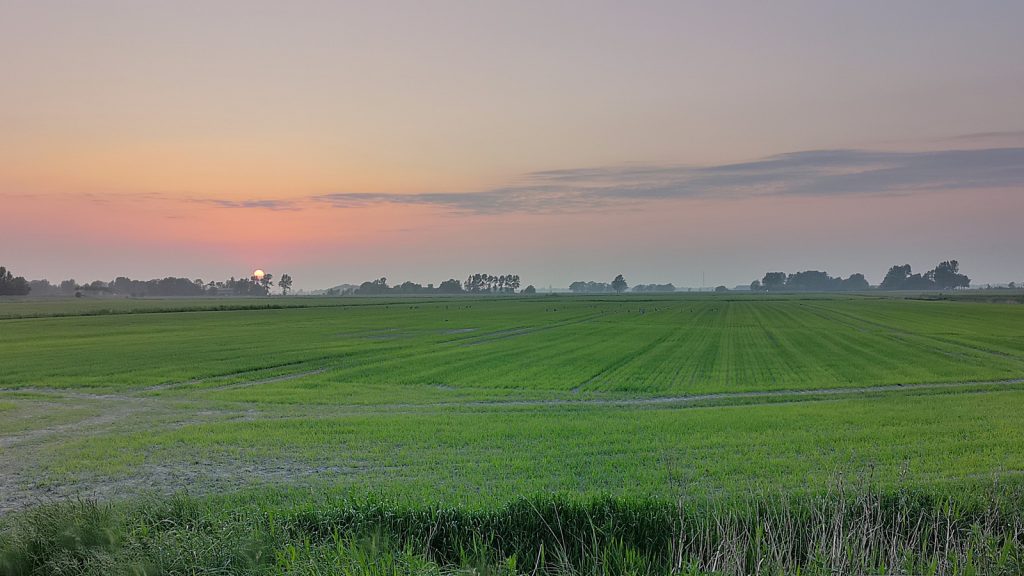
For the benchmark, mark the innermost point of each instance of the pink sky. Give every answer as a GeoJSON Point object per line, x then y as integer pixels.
{"type": "Point", "coordinates": [341, 142]}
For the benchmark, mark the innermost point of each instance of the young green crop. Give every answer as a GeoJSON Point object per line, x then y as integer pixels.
{"type": "Point", "coordinates": [441, 405]}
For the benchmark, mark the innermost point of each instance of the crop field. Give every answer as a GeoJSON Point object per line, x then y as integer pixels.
{"type": "Point", "coordinates": [243, 410]}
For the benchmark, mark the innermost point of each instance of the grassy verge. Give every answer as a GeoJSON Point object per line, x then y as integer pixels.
{"type": "Point", "coordinates": [844, 530]}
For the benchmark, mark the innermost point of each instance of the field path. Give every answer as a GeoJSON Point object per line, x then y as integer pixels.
{"type": "Point", "coordinates": [698, 398]}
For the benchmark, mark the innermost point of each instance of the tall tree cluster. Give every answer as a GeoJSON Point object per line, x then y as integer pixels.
{"type": "Point", "coordinates": [945, 276]}
{"type": "Point", "coordinates": [489, 283]}
{"type": "Point", "coordinates": [11, 285]}
{"type": "Point", "coordinates": [809, 281]}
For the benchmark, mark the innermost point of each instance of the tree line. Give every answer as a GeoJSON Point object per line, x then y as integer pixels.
{"type": "Point", "coordinates": [124, 286]}
{"type": "Point", "coordinates": [474, 284]}
{"type": "Point", "coordinates": [617, 285]}
{"type": "Point", "coordinates": [11, 285]}
{"type": "Point", "coordinates": [488, 283]}
{"type": "Point", "coordinates": [809, 281]}
{"type": "Point", "coordinates": [653, 288]}
{"type": "Point", "coordinates": [945, 276]}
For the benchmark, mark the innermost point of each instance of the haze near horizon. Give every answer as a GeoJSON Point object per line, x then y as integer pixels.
{"type": "Point", "coordinates": [562, 141]}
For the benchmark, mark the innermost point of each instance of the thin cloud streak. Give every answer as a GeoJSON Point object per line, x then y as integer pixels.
{"type": "Point", "coordinates": [810, 173]}
{"type": "Point", "coordinates": [814, 173]}
{"type": "Point", "coordinates": [267, 204]}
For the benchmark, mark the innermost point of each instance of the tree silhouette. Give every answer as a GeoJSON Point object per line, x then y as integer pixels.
{"type": "Point", "coordinates": [774, 281]}
{"type": "Point", "coordinates": [266, 283]}
{"type": "Point", "coordinates": [450, 286]}
{"type": "Point", "coordinates": [896, 277]}
{"type": "Point", "coordinates": [947, 276]}
{"type": "Point", "coordinates": [285, 283]}
{"type": "Point", "coordinates": [11, 285]}
{"type": "Point", "coordinates": [619, 284]}
{"type": "Point", "coordinates": [856, 282]}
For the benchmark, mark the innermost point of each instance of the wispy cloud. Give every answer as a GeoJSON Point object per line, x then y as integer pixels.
{"type": "Point", "coordinates": [267, 204]}
{"type": "Point", "coordinates": [810, 173]}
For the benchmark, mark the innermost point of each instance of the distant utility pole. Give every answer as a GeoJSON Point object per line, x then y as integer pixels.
{"type": "Point", "coordinates": [701, 280]}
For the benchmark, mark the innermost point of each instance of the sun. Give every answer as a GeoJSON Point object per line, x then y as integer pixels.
{"type": "Point", "coordinates": [258, 274]}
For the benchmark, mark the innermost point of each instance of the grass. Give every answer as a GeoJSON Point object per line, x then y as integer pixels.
{"type": "Point", "coordinates": [631, 346]}
{"type": "Point", "coordinates": [851, 529]}
{"type": "Point", "coordinates": [370, 436]}
{"type": "Point", "coordinates": [495, 453]}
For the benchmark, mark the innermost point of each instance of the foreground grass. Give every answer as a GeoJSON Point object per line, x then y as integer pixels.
{"type": "Point", "coordinates": [845, 530]}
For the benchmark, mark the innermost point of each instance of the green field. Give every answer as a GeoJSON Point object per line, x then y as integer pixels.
{"type": "Point", "coordinates": [474, 404]}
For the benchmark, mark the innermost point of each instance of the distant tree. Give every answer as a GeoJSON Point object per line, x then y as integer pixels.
{"type": "Point", "coordinates": [68, 286]}
{"type": "Point", "coordinates": [918, 282]}
{"type": "Point", "coordinates": [246, 287]}
{"type": "Point", "coordinates": [42, 287]}
{"type": "Point", "coordinates": [812, 281]}
{"type": "Point", "coordinates": [408, 287]}
{"type": "Point", "coordinates": [504, 283]}
{"type": "Point", "coordinates": [100, 286]}
{"type": "Point", "coordinates": [591, 287]}
{"type": "Point", "coordinates": [285, 283]}
{"type": "Point", "coordinates": [529, 290]}
{"type": "Point", "coordinates": [855, 283]}
{"type": "Point", "coordinates": [721, 289]}
{"type": "Point", "coordinates": [11, 285]}
{"type": "Point", "coordinates": [1011, 285]}
{"type": "Point", "coordinates": [450, 286]}
{"type": "Point", "coordinates": [896, 277]}
{"type": "Point", "coordinates": [266, 282]}
{"type": "Point", "coordinates": [643, 288]}
{"type": "Point", "coordinates": [619, 284]}
{"type": "Point", "coordinates": [947, 276]}
{"type": "Point", "coordinates": [755, 286]}
{"type": "Point", "coordinates": [774, 281]}
{"type": "Point", "coordinates": [379, 286]}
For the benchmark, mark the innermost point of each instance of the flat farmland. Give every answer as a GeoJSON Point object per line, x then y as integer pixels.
{"type": "Point", "coordinates": [579, 345]}
{"type": "Point", "coordinates": [478, 402]}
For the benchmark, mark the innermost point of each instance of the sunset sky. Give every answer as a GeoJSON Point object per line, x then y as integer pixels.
{"type": "Point", "coordinates": [340, 142]}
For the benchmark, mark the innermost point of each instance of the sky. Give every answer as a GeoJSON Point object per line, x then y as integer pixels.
{"type": "Point", "coordinates": [667, 141]}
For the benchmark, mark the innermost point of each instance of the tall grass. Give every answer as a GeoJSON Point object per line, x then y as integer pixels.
{"type": "Point", "coordinates": [844, 530]}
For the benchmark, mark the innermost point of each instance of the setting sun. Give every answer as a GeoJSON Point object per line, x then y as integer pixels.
{"type": "Point", "coordinates": [258, 274]}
